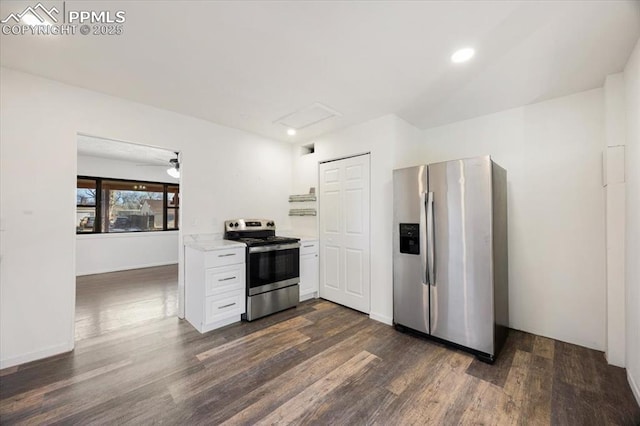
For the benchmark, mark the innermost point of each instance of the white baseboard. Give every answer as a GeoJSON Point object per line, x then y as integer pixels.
{"type": "Point", "coordinates": [36, 355]}
{"type": "Point", "coordinates": [615, 360]}
{"type": "Point", "coordinates": [126, 268]}
{"type": "Point", "coordinates": [634, 387]}
{"type": "Point", "coordinates": [308, 296]}
{"type": "Point", "coordinates": [210, 327]}
{"type": "Point", "coordinates": [381, 318]}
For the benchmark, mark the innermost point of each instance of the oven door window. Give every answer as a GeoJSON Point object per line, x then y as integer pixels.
{"type": "Point", "coordinates": [273, 266]}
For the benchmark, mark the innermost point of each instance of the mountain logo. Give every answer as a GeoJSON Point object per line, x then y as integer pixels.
{"type": "Point", "coordinates": [38, 11]}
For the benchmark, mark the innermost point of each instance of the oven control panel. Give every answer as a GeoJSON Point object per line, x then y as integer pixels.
{"type": "Point", "coordinates": [249, 225]}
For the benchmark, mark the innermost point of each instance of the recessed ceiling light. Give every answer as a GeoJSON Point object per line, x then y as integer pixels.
{"type": "Point", "coordinates": [291, 132]}
{"type": "Point", "coordinates": [462, 55]}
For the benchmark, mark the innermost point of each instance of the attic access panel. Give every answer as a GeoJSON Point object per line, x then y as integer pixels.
{"type": "Point", "coordinates": [308, 116]}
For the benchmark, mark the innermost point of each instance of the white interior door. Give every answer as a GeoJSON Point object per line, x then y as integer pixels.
{"type": "Point", "coordinates": [344, 232]}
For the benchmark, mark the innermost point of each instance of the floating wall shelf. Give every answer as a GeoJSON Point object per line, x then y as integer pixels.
{"type": "Point", "coordinates": [310, 197]}
{"type": "Point", "coordinates": [301, 198]}
{"type": "Point", "coordinates": [302, 212]}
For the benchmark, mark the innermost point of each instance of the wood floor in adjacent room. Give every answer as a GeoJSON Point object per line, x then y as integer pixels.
{"type": "Point", "coordinates": [117, 300]}
{"type": "Point", "coordinates": [319, 363]}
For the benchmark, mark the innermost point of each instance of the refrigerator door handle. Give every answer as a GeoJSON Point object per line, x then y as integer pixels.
{"type": "Point", "coordinates": [431, 270]}
{"type": "Point", "coordinates": [423, 238]}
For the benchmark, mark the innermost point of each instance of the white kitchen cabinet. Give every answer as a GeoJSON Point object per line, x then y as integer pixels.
{"type": "Point", "coordinates": [214, 284]}
{"type": "Point", "coordinates": [309, 269]}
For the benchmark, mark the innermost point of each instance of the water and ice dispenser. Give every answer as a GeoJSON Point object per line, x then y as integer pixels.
{"type": "Point", "coordinates": [410, 238]}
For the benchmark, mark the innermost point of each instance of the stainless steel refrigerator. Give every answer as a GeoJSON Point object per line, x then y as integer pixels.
{"type": "Point", "coordinates": [450, 272]}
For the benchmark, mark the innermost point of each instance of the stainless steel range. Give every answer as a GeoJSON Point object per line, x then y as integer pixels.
{"type": "Point", "coordinates": [273, 266]}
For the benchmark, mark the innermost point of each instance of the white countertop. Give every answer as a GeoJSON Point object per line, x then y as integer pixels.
{"type": "Point", "coordinates": [210, 245]}
{"type": "Point", "coordinates": [209, 242]}
{"type": "Point", "coordinates": [294, 234]}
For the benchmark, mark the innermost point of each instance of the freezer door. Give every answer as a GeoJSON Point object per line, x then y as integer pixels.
{"type": "Point", "coordinates": [410, 291]}
{"type": "Point", "coordinates": [462, 286]}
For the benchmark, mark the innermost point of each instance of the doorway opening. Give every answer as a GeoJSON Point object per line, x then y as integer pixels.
{"type": "Point", "coordinates": [127, 235]}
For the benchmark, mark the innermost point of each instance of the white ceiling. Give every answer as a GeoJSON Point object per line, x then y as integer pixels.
{"type": "Point", "coordinates": [116, 150]}
{"type": "Point", "coordinates": [246, 64]}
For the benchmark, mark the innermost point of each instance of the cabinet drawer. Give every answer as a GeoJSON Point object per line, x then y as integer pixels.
{"type": "Point", "coordinates": [308, 247]}
{"type": "Point", "coordinates": [224, 278]}
{"type": "Point", "coordinates": [224, 305]}
{"type": "Point", "coordinates": [216, 258]}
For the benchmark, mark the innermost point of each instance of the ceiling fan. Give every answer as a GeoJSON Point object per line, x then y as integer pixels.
{"type": "Point", "coordinates": [174, 170]}
{"type": "Point", "coordinates": [174, 166]}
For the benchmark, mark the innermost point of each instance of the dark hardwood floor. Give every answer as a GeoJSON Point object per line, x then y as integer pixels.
{"type": "Point", "coordinates": [319, 363]}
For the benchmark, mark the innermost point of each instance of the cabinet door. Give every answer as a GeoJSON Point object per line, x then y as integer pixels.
{"type": "Point", "coordinates": [308, 275]}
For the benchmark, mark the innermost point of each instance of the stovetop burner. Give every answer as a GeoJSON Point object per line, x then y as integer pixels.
{"type": "Point", "coordinates": [252, 242]}
{"type": "Point", "coordinates": [255, 232]}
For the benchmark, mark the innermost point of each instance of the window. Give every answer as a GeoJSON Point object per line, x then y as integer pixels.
{"type": "Point", "coordinates": [110, 205]}
{"type": "Point", "coordinates": [173, 204]}
{"type": "Point", "coordinates": [86, 196]}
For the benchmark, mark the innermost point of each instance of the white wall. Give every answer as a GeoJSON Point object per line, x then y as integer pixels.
{"type": "Point", "coordinates": [305, 176]}
{"type": "Point", "coordinates": [226, 173]}
{"type": "Point", "coordinates": [380, 137]}
{"type": "Point", "coordinates": [632, 96]}
{"type": "Point", "coordinates": [615, 192]}
{"type": "Point", "coordinates": [98, 253]}
{"type": "Point", "coordinates": [552, 153]}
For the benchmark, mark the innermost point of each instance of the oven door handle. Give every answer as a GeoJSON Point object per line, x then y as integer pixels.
{"type": "Point", "coordinates": [262, 249]}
